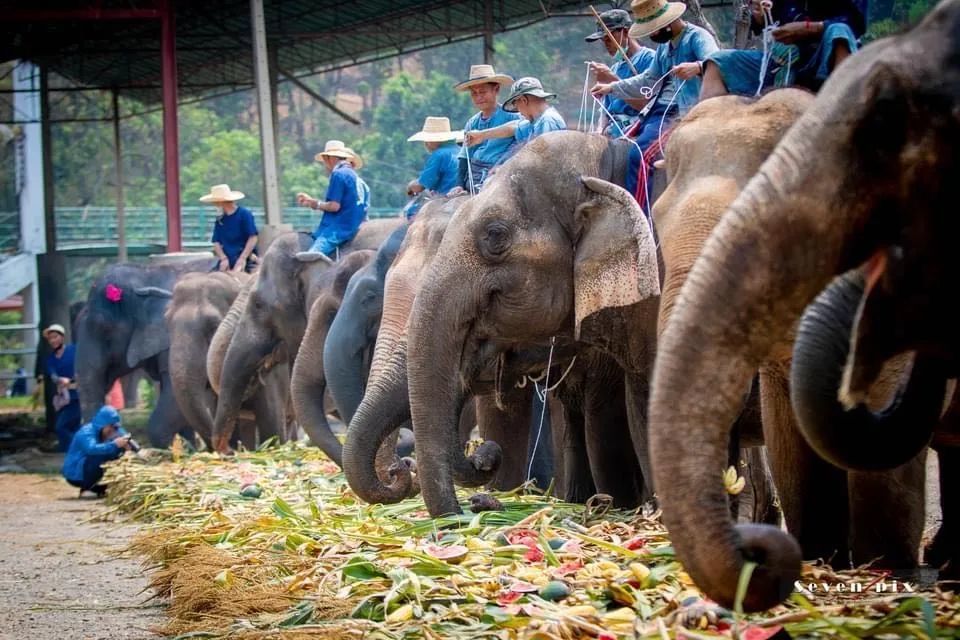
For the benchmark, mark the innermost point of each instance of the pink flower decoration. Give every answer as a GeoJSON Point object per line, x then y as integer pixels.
{"type": "Point", "coordinates": [114, 293]}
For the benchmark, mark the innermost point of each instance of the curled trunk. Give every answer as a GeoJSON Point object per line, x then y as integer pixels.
{"type": "Point", "coordinates": [217, 350]}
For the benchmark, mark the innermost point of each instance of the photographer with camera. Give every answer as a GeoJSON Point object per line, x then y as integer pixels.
{"type": "Point", "coordinates": [97, 442]}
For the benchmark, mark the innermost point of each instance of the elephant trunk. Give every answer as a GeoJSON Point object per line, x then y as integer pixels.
{"type": "Point", "coordinates": [188, 380]}
{"type": "Point", "coordinates": [856, 439]}
{"type": "Point", "coordinates": [344, 359]}
{"type": "Point", "coordinates": [438, 333]}
{"type": "Point", "coordinates": [770, 254]}
{"type": "Point", "coordinates": [217, 350]}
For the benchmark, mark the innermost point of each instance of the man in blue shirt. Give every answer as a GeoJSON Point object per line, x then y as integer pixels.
{"type": "Point", "coordinates": [672, 82]}
{"type": "Point", "coordinates": [97, 442]}
{"type": "Point", "coordinates": [439, 174]}
{"type": "Point", "coordinates": [61, 369]}
{"type": "Point", "coordinates": [618, 43]}
{"type": "Point", "coordinates": [529, 99]}
{"type": "Point", "coordinates": [812, 38]}
{"type": "Point", "coordinates": [484, 86]}
{"type": "Point", "coordinates": [234, 231]}
{"type": "Point", "coordinates": [345, 204]}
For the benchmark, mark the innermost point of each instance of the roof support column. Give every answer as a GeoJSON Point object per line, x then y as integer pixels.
{"type": "Point", "coordinates": [118, 162]}
{"type": "Point", "coordinates": [265, 108]}
{"type": "Point", "coordinates": [171, 147]}
{"type": "Point", "coordinates": [488, 32]}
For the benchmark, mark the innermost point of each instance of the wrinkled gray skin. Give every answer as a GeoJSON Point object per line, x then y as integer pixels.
{"type": "Point", "coordinates": [276, 312]}
{"type": "Point", "coordinates": [541, 251]}
{"type": "Point", "coordinates": [199, 303]}
{"type": "Point", "coordinates": [115, 338]}
{"type": "Point", "coordinates": [867, 170]}
{"type": "Point", "coordinates": [308, 380]}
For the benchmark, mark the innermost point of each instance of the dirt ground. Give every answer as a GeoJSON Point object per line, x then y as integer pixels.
{"type": "Point", "coordinates": [60, 578]}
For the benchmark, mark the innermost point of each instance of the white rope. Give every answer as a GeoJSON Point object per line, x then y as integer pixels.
{"type": "Point", "coordinates": [664, 118]}
{"type": "Point", "coordinates": [466, 152]}
{"type": "Point", "coordinates": [582, 118]}
{"type": "Point", "coordinates": [543, 410]}
{"type": "Point", "coordinates": [546, 389]}
{"type": "Point", "coordinates": [768, 26]}
{"type": "Point", "coordinates": [647, 92]}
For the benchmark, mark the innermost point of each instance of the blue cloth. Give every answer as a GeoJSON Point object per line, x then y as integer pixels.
{"type": "Point", "coordinates": [490, 151]}
{"type": "Point", "coordinates": [740, 69]}
{"type": "Point", "coordinates": [695, 44]}
{"type": "Point", "coordinates": [92, 472]}
{"type": "Point", "coordinates": [68, 422]}
{"type": "Point", "coordinates": [624, 114]}
{"type": "Point", "coordinates": [549, 120]}
{"type": "Point", "coordinates": [440, 172]}
{"type": "Point", "coordinates": [86, 445]}
{"type": "Point", "coordinates": [339, 227]}
{"type": "Point", "coordinates": [655, 122]}
{"type": "Point", "coordinates": [64, 366]}
{"type": "Point", "coordinates": [232, 232]}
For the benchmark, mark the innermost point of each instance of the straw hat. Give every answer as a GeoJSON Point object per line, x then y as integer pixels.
{"type": "Point", "coordinates": [222, 193]}
{"type": "Point", "coordinates": [54, 328]}
{"type": "Point", "coordinates": [653, 15]}
{"type": "Point", "coordinates": [336, 149]}
{"type": "Point", "coordinates": [482, 74]}
{"type": "Point", "coordinates": [436, 130]}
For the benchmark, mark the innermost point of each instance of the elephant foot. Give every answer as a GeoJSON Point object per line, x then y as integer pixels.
{"type": "Point", "coordinates": [484, 502]}
{"type": "Point", "coordinates": [943, 553]}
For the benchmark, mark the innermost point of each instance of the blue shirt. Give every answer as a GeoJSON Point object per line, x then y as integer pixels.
{"type": "Point", "coordinates": [440, 172]}
{"type": "Point", "coordinates": [549, 120]}
{"type": "Point", "coordinates": [641, 60]}
{"type": "Point", "coordinates": [488, 152]}
{"type": "Point", "coordinates": [64, 366]}
{"type": "Point", "coordinates": [353, 194]}
{"type": "Point", "coordinates": [232, 232]}
{"type": "Point", "coordinates": [86, 443]}
{"type": "Point", "coordinates": [694, 45]}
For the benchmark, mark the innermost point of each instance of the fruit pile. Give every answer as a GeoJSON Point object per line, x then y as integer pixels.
{"type": "Point", "coordinates": [273, 544]}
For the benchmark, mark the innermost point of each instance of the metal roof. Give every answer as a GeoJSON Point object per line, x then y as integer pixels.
{"type": "Point", "coordinates": [214, 40]}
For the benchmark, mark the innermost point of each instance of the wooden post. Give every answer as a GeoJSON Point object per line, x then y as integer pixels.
{"type": "Point", "coordinates": [488, 51]}
{"type": "Point", "coordinates": [171, 144]}
{"type": "Point", "coordinates": [742, 33]}
{"type": "Point", "coordinates": [271, 185]}
{"type": "Point", "coordinates": [118, 161]}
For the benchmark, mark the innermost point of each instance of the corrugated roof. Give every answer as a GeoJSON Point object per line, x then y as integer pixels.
{"type": "Point", "coordinates": [214, 38]}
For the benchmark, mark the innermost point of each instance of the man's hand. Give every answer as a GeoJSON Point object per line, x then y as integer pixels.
{"type": "Point", "coordinates": [413, 188]}
{"type": "Point", "coordinates": [62, 382]}
{"type": "Point", "coordinates": [686, 70]}
{"type": "Point", "coordinates": [224, 264]}
{"type": "Point", "coordinates": [601, 89]}
{"type": "Point", "coordinates": [241, 265]}
{"type": "Point", "coordinates": [305, 200]}
{"type": "Point", "coordinates": [757, 8]}
{"type": "Point", "coordinates": [123, 442]}
{"type": "Point", "coordinates": [471, 138]}
{"type": "Point", "coordinates": [602, 72]}
{"type": "Point", "coordinates": [794, 32]}
{"type": "Point", "coordinates": [456, 191]}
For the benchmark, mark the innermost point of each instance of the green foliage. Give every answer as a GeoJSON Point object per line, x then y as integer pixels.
{"type": "Point", "coordinates": [10, 340]}
{"type": "Point", "coordinates": [147, 393]}
{"type": "Point", "coordinates": [888, 17]}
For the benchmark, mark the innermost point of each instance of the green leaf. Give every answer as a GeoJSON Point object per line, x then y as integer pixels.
{"type": "Point", "coordinates": [361, 570]}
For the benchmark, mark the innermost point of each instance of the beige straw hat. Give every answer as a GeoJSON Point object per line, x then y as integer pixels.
{"type": "Point", "coordinates": [222, 193]}
{"type": "Point", "coordinates": [58, 328]}
{"type": "Point", "coordinates": [653, 15]}
{"type": "Point", "coordinates": [436, 129]}
{"type": "Point", "coordinates": [336, 149]}
{"type": "Point", "coordinates": [482, 74]}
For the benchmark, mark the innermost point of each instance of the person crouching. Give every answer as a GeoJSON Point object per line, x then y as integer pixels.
{"type": "Point", "coordinates": [98, 441]}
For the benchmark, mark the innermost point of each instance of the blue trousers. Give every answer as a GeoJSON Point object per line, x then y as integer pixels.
{"type": "Point", "coordinates": [68, 422]}
{"type": "Point", "coordinates": [648, 135]}
{"type": "Point", "coordinates": [92, 471]}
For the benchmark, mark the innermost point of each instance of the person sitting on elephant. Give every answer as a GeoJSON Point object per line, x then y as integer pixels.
{"type": "Point", "coordinates": [810, 39]}
{"type": "Point", "coordinates": [529, 99]}
{"type": "Point", "coordinates": [61, 368]}
{"type": "Point", "coordinates": [671, 83]}
{"type": "Point", "coordinates": [345, 204]}
{"type": "Point", "coordinates": [484, 85]}
{"type": "Point", "coordinates": [97, 442]}
{"type": "Point", "coordinates": [439, 174]}
{"type": "Point", "coordinates": [630, 59]}
{"type": "Point", "coordinates": [234, 232]}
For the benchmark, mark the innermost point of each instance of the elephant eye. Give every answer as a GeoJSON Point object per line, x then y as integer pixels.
{"type": "Point", "coordinates": [496, 239]}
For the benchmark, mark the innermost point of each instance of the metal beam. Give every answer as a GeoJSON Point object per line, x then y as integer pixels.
{"type": "Point", "coordinates": [171, 146]}
{"type": "Point", "coordinates": [265, 107]}
{"type": "Point", "coordinates": [92, 13]}
{"type": "Point", "coordinates": [319, 98]}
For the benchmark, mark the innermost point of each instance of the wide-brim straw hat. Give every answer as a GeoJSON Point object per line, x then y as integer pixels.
{"type": "Point", "coordinates": [336, 149]}
{"type": "Point", "coordinates": [436, 129]}
{"type": "Point", "coordinates": [54, 328]}
{"type": "Point", "coordinates": [222, 193]}
{"type": "Point", "coordinates": [482, 74]}
{"type": "Point", "coordinates": [652, 15]}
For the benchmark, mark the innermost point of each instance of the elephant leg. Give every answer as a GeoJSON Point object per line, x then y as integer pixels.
{"type": "Point", "coordinates": [944, 552]}
{"type": "Point", "coordinates": [758, 501]}
{"type": "Point", "coordinates": [572, 445]}
{"type": "Point", "coordinates": [509, 428]}
{"type": "Point", "coordinates": [166, 419]}
{"type": "Point", "coordinates": [246, 434]}
{"type": "Point", "coordinates": [540, 443]}
{"type": "Point", "coordinates": [887, 514]}
{"type": "Point", "coordinates": [558, 429]}
{"type": "Point", "coordinates": [813, 493]}
{"type": "Point", "coordinates": [638, 401]}
{"type": "Point", "coordinates": [613, 462]}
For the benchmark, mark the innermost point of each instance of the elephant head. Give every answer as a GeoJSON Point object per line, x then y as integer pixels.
{"type": "Point", "coordinates": [350, 340]}
{"type": "Point", "coordinates": [545, 249]}
{"type": "Point", "coordinates": [864, 172]}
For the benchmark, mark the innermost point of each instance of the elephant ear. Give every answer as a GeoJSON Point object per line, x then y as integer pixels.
{"type": "Point", "coordinates": [615, 256]}
{"type": "Point", "coordinates": [150, 335]}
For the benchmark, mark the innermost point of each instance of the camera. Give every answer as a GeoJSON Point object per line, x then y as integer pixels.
{"type": "Point", "coordinates": [134, 445]}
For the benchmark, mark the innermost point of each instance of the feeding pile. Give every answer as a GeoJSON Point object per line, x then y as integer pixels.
{"type": "Point", "coordinates": [273, 544]}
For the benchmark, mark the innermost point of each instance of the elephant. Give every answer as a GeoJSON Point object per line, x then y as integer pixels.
{"type": "Point", "coordinates": [384, 407]}
{"type": "Point", "coordinates": [308, 380]}
{"type": "Point", "coordinates": [199, 303]}
{"type": "Point", "coordinates": [274, 318]}
{"type": "Point", "coordinates": [122, 329]}
{"type": "Point", "coordinates": [863, 174]}
{"type": "Point", "coordinates": [547, 254]}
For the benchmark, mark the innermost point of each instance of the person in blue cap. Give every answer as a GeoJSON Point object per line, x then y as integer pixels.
{"type": "Point", "coordinates": [99, 441]}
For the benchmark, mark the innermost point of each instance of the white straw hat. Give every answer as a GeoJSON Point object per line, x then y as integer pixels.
{"type": "Point", "coordinates": [482, 74]}
{"type": "Point", "coordinates": [336, 149]}
{"type": "Point", "coordinates": [58, 328]}
{"type": "Point", "coordinates": [222, 193]}
{"type": "Point", "coordinates": [652, 15]}
{"type": "Point", "coordinates": [436, 129]}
